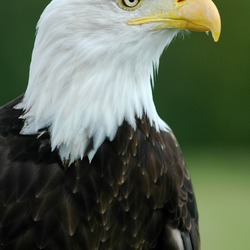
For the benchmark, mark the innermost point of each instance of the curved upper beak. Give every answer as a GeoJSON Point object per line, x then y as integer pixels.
{"type": "Point", "coordinates": [196, 15]}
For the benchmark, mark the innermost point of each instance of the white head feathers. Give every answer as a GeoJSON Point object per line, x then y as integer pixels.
{"type": "Point", "coordinates": [90, 71]}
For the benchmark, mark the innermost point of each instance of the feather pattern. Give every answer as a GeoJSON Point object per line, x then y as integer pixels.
{"type": "Point", "coordinates": [135, 194]}
{"type": "Point", "coordinates": [93, 70]}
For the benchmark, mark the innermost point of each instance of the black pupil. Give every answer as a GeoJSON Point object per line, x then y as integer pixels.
{"type": "Point", "coordinates": [130, 3]}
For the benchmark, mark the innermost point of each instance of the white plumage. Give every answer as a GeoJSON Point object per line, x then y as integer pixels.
{"type": "Point", "coordinates": [92, 69]}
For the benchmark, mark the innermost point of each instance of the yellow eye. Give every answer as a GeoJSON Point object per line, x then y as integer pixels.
{"type": "Point", "coordinates": [130, 4]}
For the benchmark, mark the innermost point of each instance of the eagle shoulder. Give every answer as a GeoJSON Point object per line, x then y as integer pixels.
{"type": "Point", "coordinates": [136, 193]}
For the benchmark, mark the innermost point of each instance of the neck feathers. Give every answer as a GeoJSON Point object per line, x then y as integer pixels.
{"type": "Point", "coordinates": [82, 90]}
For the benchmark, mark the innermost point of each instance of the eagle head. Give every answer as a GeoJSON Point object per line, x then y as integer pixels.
{"type": "Point", "coordinates": [93, 66]}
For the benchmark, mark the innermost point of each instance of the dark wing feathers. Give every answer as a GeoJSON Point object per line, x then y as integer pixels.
{"type": "Point", "coordinates": [133, 194]}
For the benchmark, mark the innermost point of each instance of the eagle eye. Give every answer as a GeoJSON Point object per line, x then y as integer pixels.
{"type": "Point", "coordinates": [129, 4]}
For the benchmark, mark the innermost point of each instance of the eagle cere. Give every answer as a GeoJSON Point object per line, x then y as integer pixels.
{"type": "Point", "coordinates": [85, 160]}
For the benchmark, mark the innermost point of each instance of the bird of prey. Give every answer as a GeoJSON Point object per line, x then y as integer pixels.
{"type": "Point", "coordinates": [85, 161]}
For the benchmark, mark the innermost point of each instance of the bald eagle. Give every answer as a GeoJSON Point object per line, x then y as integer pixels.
{"type": "Point", "coordinates": [85, 160]}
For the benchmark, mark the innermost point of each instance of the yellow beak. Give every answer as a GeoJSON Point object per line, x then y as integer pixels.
{"type": "Point", "coordinates": [196, 15]}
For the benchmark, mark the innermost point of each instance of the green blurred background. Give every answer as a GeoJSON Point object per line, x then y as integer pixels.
{"type": "Point", "coordinates": [202, 91]}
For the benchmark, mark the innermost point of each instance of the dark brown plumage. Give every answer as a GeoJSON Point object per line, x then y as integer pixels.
{"type": "Point", "coordinates": [134, 191]}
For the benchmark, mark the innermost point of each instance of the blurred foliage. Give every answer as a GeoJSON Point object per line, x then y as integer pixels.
{"type": "Point", "coordinates": [221, 180]}
{"type": "Point", "coordinates": [202, 90]}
